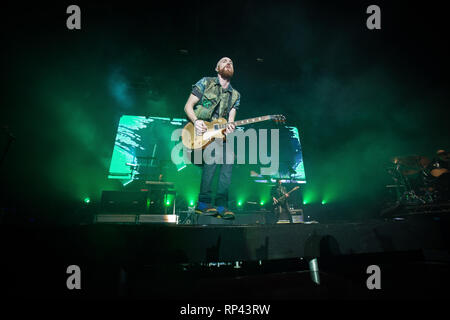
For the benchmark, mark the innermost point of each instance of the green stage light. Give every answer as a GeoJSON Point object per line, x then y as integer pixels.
{"type": "Point", "coordinates": [239, 203]}
{"type": "Point", "coordinates": [167, 203]}
{"type": "Point", "coordinates": [309, 197]}
{"type": "Point", "coordinates": [324, 202]}
{"type": "Point", "coordinates": [191, 203]}
{"type": "Point", "coordinates": [261, 203]}
{"type": "Point", "coordinates": [87, 200]}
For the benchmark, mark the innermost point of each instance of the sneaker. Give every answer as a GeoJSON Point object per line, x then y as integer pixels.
{"type": "Point", "coordinates": [205, 209]}
{"type": "Point", "coordinates": [224, 213]}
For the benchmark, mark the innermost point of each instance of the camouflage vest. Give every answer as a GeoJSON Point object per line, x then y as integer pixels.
{"type": "Point", "coordinates": [215, 95]}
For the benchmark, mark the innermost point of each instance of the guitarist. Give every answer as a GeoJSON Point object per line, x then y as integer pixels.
{"type": "Point", "coordinates": [212, 98]}
{"type": "Point", "coordinates": [281, 208]}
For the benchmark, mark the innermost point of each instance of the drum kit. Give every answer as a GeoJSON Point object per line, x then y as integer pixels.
{"type": "Point", "coordinates": [414, 182]}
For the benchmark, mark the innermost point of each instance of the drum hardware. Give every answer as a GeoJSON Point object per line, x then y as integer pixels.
{"type": "Point", "coordinates": [415, 181]}
{"type": "Point", "coordinates": [411, 179]}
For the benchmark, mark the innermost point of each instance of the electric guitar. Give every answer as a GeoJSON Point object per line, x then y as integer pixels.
{"type": "Point", "coordinates": [285, 195]}
{"type": "Point", "coordinates": [194, 140]}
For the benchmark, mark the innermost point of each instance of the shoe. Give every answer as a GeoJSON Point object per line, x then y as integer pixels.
{"type": "Point", "coordinates": [205, 209]}
{"type": "Point", "coordinates": [224, 213]}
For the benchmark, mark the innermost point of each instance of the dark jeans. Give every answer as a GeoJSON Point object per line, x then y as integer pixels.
{"type": "Point", "coordinates": [208, 171]}
{"type": "Point", "coordinates": [282, 212]}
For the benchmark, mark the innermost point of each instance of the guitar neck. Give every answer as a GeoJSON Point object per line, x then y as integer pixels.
{"type": "Point", "coordinates": [248, 121]}
{"type": "Point", "coordinates": [284, 196]}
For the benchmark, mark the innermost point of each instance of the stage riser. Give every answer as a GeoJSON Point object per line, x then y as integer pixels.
{"type": "Point", "coordinates": [136, 218]}
{"type": "Point", "coordinates": [244, 219]}
{"type": "Point", "coordinates": [240, 219]}
{"type": "Point", "coordinates": [151, 243]}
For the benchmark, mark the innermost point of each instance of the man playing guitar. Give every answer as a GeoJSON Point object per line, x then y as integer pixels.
{"type": "Point", "coordinates": [280, 203]}
{"type": "Point", "coordinates": [213, 98]}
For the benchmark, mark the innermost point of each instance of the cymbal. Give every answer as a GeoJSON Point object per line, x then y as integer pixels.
{"type": "Point", "coordinates": [412, 161]}
{"type": "Point", "coordinates": [409, 172]}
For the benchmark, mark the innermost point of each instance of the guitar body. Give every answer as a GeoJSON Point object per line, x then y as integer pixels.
{"type": "Point", "coordinates": [192, 140]}
{"type": "Point", "coordinates": [284, 197]}
{"type": "Point", "coordinates": [216, 128]}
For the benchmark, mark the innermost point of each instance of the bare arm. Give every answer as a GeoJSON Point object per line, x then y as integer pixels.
{"type": "Point", "coordinates": [189, 107]}
{"type": "Point", "coordinates": [231, 126]}
{"type": "Point", "coordinates": [232, 115]}
{"type": "Point", "coordinates": [200, 126]}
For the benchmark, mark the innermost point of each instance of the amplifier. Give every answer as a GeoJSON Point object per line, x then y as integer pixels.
{"type": "Point", "coordinates": [297, 218]}
{"type": "Point", "coordinates": [124, 202]}
{"type": "Point", "coordinates": [297, 215]}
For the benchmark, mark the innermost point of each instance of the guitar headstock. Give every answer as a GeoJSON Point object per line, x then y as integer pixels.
{"type": "Point", "coordinates": [278, 118]}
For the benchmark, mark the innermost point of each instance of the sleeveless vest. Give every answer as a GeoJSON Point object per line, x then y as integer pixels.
{"type": "Point", "coordinates": [213, 96]}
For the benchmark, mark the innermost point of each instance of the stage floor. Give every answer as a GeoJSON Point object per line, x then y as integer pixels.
{"type": "Point", "coordinates": [171, 261]}
{"type": "Point", "coordinates": [212, 243]}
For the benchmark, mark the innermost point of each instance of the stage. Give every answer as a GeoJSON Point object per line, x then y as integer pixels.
{"type": "Point", "coordinates": [230, 261]}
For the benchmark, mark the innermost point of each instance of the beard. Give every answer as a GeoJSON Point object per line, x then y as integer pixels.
{"type": "Point", "coordinates": [226, 73]}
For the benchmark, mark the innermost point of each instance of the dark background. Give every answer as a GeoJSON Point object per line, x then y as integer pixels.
{"type": "Point", "coordinates": [358, 96]}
